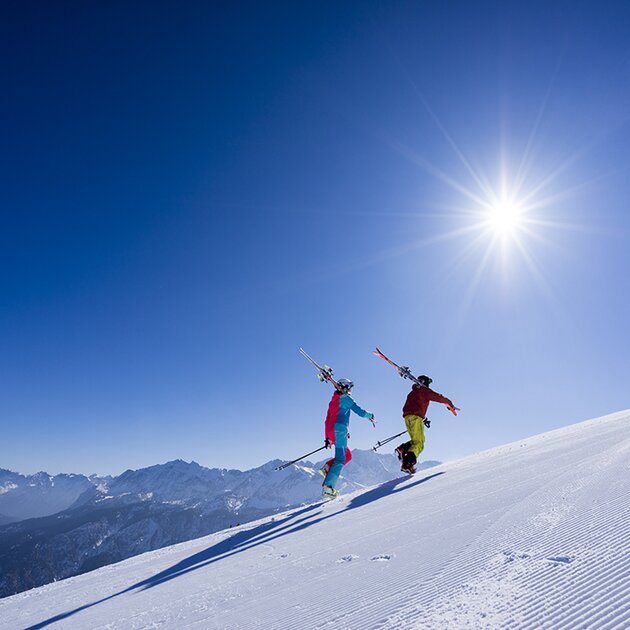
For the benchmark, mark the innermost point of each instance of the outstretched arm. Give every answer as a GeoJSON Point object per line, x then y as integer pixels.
{"type": "Point", "coordinates": [350, 404]}
{"type": "Point", "coordinates": [434, 396]}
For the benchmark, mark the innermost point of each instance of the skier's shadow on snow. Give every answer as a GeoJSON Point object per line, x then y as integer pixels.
{"type": "Point", "coordinates": [265, 533]}
{"type": "Point", "coordinates": [223, 549]}
{"type": "Point", "coordinates": [389, 487]}
{"type": "Point", "coordinates": [247, 539]}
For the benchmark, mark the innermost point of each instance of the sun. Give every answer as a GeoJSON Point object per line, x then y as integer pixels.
{"type": "Point", "coordinates": [504, 216]}
{"type": "Point", "coordinates": [499, 219]}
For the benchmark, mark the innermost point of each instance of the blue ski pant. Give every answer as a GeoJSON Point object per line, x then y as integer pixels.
{"type": "Point", "coordinates": [341, 444]}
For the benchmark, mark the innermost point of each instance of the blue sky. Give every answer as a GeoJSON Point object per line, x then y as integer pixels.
{"type": "Point", "coordinates": [190, 193]}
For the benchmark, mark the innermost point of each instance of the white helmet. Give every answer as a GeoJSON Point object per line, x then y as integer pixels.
{"type": "Point", "coordinates": [345, 384]}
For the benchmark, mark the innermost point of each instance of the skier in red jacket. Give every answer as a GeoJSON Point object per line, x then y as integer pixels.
{"type": "Point", "coordinates": [415, 415]}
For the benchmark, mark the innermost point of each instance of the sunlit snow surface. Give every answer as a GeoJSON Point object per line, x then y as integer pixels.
{"type": "Point", "coordinates": [535, 534]}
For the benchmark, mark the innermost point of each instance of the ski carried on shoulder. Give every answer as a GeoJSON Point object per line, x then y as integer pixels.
{"type": "Point", "coordinates": [325, 372]}
{"type": "Point", "coordinates": [403, 370]}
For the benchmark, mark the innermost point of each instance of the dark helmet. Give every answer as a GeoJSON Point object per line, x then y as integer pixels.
{"type": "Point", "coordinates": [425, 380]}
{"type": "Point", "coordinates": [345, 384]}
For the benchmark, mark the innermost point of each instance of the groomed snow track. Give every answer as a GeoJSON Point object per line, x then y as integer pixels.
{"type": "Point", "coordinates": [535, 534]}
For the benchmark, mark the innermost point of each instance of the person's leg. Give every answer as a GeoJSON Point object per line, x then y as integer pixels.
{"type": "Point", "coordinates": [401, 449]}
{"type": "Point", "coordinates": [415, 427]}
{"type": "Point", "coordinates": [326, 467]}
{"type": "Point", "coordinates": [330, 462]}
{"type": "Point", "coordinates": [341, 442]}
{"type": "Point", "coordinates": [323, 471]}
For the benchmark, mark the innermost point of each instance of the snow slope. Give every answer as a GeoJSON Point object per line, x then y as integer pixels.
{"type": "Point", "coordinates": [147, 509]}
{"type": "Point", "coordinates": [535, 534]}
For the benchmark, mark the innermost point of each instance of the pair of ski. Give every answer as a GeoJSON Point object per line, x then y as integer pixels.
{"type": "Point", "coordinates": [405, 372]}
{"type": "Point", "coordinates": [326, 372]}
{"type": "Point", "coordinates": [326, 375]}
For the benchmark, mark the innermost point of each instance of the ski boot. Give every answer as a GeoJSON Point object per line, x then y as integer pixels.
{"type": "Point", "coordinates": [323, 471]}
{"type": "Point", "coordinates": [400, 452]}
{"type": "Point", "coordinates": [329, 493]}
{"type": "Point", "coordinates": [409, 463]}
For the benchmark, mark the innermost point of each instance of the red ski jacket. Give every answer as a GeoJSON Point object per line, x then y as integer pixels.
{"type": "Point", "coordinates": [418, 401]}
{"type": "Point", "coordinates": [338, 416]}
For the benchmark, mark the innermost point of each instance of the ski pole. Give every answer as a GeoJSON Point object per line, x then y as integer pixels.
{"type": "Point", "coordinates": [287, 464]}
{"type": "Point", "coordinates": [386, 440]}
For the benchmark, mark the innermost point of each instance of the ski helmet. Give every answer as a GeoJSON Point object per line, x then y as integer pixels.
{"type": "Point", "coordinates": [345, 384]}
{"type": "Point", "coordinates": [425, 380]}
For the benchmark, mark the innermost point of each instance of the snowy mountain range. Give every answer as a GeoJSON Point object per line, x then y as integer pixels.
{"type": "Point", "coordinates": [31, 496]}
{"type": "Point", "coordinates": [68, 524]}
{"type": "Point", "coordinates": [534, 534]}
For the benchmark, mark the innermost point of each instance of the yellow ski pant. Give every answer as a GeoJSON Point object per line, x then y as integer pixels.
{"type": "Point", "coordinates": [415, 427]}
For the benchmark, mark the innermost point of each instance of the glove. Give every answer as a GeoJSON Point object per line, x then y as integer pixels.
{"type": "Point", "coordinates": [327, 443]}
{"type": "Point", "coordinates": [370, 417]}
{"type": "Point", "coordinates": [427, 422]}
{"type": "Point", "coordinates": [453, 409]}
